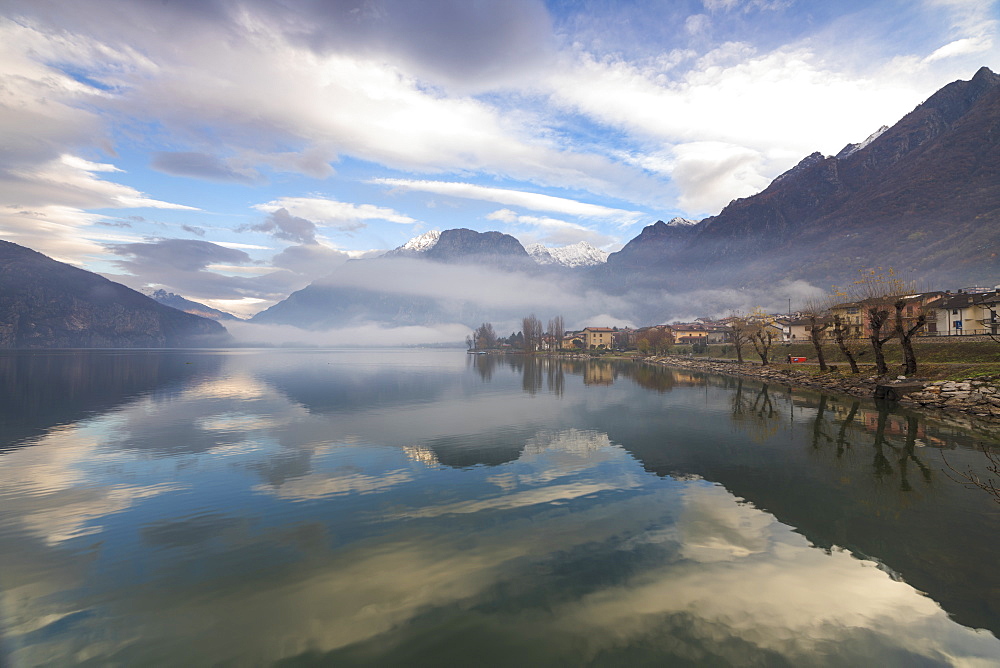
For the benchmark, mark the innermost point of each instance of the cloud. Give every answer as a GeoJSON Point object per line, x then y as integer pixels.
{"type": "Point", "coordinates": [222, 272]}
{"type": "Point", "coordinates": [202, 166]}
{"type": "Point", "coordinates": [710, 174]}
{"type": "Point", "coordinates": [312, 260]}
{"type": "Point", "coordinates": [183, 254]}
{"type": "Point", "coordinates": [199, 231]}
{"type": "Point", "coordinates": [331, 213]}
{"type": "Point", "coordinates": [370, 334]}
{"type": "Point", "coordinates": [745, 5]}
{"type": "Point", "coordinates": [528, 200]}
{"type": "Point", "coordinates": [961, 47]}
{"type": "Point", "coordinates": [71, 181]}
{"type": "Point", "coordinates": [551, 230]}
{"type": "Point", "coordinates": [697, 24]}
{"type": "Point", "coordinates": [283, 225]}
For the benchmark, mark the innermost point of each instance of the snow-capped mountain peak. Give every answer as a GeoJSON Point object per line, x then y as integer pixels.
{"type": "Point", "coordinates": [677, 221]}
{"type": "Point", "coordinates": [854, 148]}
{"type": "Point", "coordinates": [579, 254]}
{"type": "Point", "coordinates": [424, 242]}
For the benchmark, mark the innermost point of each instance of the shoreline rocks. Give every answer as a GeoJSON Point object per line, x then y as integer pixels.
{"type": "Point", "coordinates": [979, 397]}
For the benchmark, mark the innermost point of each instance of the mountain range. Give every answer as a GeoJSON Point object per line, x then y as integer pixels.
{"type": "Point", "coordinates": [188, 306]}
{"type": "Point", "coordinates": [921, 196]}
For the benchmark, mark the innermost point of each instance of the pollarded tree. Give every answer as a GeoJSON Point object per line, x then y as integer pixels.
{"type": "Point", "coordinates": [840, 332]}
{"type": "Point", "coordinates": [762, 335]}
{"type": "Point", "coordinates": [904, 331]}
{"type": "Point", "coordinates": [818, 324]}
{"type": "Point", "coordinates": [878, 290]}
{"type": "Point", "coordinates": [741, 330]}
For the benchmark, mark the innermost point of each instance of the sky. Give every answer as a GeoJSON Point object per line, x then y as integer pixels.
{"type": "Point", "coordinates": [232, 151]}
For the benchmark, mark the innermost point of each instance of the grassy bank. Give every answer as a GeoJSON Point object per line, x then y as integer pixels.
{"type": "Point", "coordinates": [937, 360]}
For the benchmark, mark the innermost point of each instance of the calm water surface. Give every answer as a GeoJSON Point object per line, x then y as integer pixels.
{"type": "Point", "coordinates": [407, 508]}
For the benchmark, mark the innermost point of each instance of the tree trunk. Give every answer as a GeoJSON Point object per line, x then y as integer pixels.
{"type": "Point", "coordinates": [814, 335]}
{"type": "Point", "coordinates": [876, 320]}
{"type": "Point", "coordinates": [839, 335]}
{"type": "Point", "coordinates": [906, 339]}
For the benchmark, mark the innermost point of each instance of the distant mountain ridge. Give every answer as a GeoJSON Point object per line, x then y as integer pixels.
{"type": "Point", "coordinates": [188, 306]}
{"type": "Point", "coordinates": [580, 254]}
{"type": "Point", "coordinates": [49, 304]}
{"type": "Point", "coordinates": [467, 243]}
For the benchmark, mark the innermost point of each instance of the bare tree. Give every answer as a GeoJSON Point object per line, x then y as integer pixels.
{"type": "Point", "coordinates": [905, 333]}
{"type": "Point", "coordinates": [557, 331]}
{"type": "Point", "coordinates": [817, 330]}
{"type": "Point", "coordinates": [740, 331]}
{"type": "Point", "coordinates": [531, 329]}
{"type": "Point", "coordinates": [969, 478]}
{"type": "Point", "coordinates": [878, 291]}
{"type": "Point", "coordinates": [840, 332]}
{"type": "Point", "coordinates": [762, 335]}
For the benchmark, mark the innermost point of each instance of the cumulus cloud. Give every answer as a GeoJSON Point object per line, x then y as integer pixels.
{"type": "Point", "coordinates": [551, 230]}
{"type": "Point", "coordinates": [283, 225]}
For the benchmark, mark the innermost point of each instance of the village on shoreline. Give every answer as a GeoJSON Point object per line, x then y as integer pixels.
{"type": "Point", "coordinates": [935, 350]}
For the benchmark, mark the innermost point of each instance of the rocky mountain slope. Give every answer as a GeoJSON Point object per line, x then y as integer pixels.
{"type": "Point", "coordinates": [49, 304]}
{"type": "Point", "coordinates": [468, 246]}
{"type": "Point", "coordinates": [922, 196]}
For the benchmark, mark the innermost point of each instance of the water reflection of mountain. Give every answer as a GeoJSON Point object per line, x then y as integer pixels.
{"type": "Point", "coordinates": [43, 389]}
{"type": "Point", "coordinates": [842, 471]}
{"type": "Point", "coordinates": [321, 391]}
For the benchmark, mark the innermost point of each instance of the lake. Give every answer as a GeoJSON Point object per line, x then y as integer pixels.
{"type": "Point", "coordinates": [432, 508]}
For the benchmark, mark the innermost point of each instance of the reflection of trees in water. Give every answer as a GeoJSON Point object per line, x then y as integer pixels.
{"type": "Point", "coordinates": [650, 377]}
{"type": "Point", "coordinates": [819, 429]}
{"type": "Point", "coordinates": [484, 365]}
{"type": "Point", "coordinates": [894, 438]}
{"type": "Point", "coordinates": [533, 369]}
{"type": "Point", "coordinates": [755, 410]}
{"type": "Point", "coordinates": [842, 441]}
{"type": "Point", "coordinates": [531, 375]}
{"type": "Point", "coordinates": [555, 378]}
